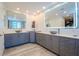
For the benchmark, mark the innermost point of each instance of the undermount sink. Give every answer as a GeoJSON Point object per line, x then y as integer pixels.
{"type": "Point", "coordinates": [75, 35]}
{"type": "Point", "coordinates": [18, 31]}
{"type": "Point", "coordinates": [53, 32]}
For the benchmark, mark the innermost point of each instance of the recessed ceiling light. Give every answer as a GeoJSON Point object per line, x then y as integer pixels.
{"type": "Point", "coordinates": [56, 14]}
{"type": "Point", "coordinates": [18, 8]}
{"type": "Point", "coordinates": [34, 13]}
{"type": "Point", "coordinates": [48, 10]}
{"type": "Point", "coordinates": [27, 11]}
{"type": "Point", "coordinates": [44, 7]}
{"type": "Point", "coordinates": [38, 11]}
{"type": "Point", "coordinates": [65, 11]}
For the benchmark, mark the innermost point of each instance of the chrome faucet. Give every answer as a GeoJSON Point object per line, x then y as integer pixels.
{"type": "Point", "coordinates": [58, 30]}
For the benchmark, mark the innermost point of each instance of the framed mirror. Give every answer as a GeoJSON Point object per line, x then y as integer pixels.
{"type": "Point", "coordinates": [15, 20]}
{"type": "Point", "coordinates": [62, 15]}
{"type": "Point", "coordinates": [78, 15]}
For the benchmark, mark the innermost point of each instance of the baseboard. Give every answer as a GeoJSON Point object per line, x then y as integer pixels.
{"type": "Point", "coordinates": [17, 45]}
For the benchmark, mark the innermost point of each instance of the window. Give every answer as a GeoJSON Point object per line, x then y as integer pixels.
{"type": "Point", "coordinates": [13, 24]}
{"type": "Point", "coordinates": [16, 24]}
{"type": "Point", "coordinates": [15, 20]}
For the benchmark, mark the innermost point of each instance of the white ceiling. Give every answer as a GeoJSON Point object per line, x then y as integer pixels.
{"type": "Point", "coordinates": [32, 7]}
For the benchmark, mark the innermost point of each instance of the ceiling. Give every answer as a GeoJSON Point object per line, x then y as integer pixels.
{"type": "Point", "coordinates": [31, 7]}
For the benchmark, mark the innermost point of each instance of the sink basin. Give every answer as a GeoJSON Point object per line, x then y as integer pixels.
{"type": "Point", "coordinates": [53, 32]}
{"type": "Point", "coordinates": [18, 31]}
{"type": "Point", "coordinates": [75, 35]}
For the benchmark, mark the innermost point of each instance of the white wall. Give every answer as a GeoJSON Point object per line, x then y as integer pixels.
{"type": "Point", "coordinates": [2, 13]}
{"type": "Point", "coordinates": [1, 45]}
{"type": "Point", "coordinates": [69, 31]}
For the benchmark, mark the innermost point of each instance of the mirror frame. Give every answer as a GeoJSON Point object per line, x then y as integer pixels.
{"type": "Point", "coordinates": [75, 17]}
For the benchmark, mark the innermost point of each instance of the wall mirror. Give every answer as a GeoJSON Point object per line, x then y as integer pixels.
{"type": "Point", "coordinates": [15, 20]}
{"type": "Point", "coordinates": [78, 15]}
{"type": "Point", "coordinates": [62, 15]}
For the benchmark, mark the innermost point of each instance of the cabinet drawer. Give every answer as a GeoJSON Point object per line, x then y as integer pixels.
{"type": "Point", "coordinates": [67, 46]}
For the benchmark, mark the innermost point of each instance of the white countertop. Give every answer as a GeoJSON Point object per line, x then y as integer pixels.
{"type": "Point", "coordinates": [63, 35]}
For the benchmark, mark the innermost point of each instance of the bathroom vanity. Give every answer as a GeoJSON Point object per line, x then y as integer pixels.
{"type": "Point", "coordinates": [15, 39]}
{"type": "Point", "coordinates": [60, 44]}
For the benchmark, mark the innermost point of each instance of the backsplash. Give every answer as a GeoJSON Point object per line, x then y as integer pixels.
{"type": "Point", "coordinates": [69, 31]}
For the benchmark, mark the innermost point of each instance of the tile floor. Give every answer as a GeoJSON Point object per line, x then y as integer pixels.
{"type": "Point", "coordinates": [28, 50]}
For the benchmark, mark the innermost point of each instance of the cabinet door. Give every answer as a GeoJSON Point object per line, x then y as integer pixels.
{"type": "Point", "coordinates": [38, 38]}
{"type": "Point", "coordinates": [6, 40]}
{"type": "Point", "coordinates": [41, 39]}
{"type": "Point", "coordinates": [55, 44]}
{"type": "Point", "coordinates": [22, 38]}
{"type": "Point", "coordinates": [67, 46]}
{"type": "Point", "coordinates": [47, 41]}
{"type": "Point", "coordinates": [77, 47]}
{"type": "Point", "coordinates": [44, 40]}
{"type": "Point", "coordinates": [16, 39]}
{"type": "Point", "coordinates": [32, 37]}
{"type": "Point", "coordinates": [26, 37]}
{"type": "Point", "coordinates": [9, 40]}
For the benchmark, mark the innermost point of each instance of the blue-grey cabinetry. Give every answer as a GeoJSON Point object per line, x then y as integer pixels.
{"type": "Point", "coordinates": [63, 46]}
{"type": "Point", "coordinates": [44, 40]}
{"type": "Point", "coordinates": [77, 46]}
{"type": "Point", "coordinates": [9, 40]}
{"type": "Point", "coordinates": [16, 39]}
{"type": "Point", "coordinates": [50, 42]}
{"type": "Point", "coordinates": [22, 38]}
{"type": "Point", "coordinates": [32, 37]}
{"type": "Point", "coordinates": [40, 39]}
{"type": "Point", "coordinates": [47, 41]}
{"type": "Point", "coordinates": [67, 46]}
{"type": "Point", "coordinates": [55, 44]}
